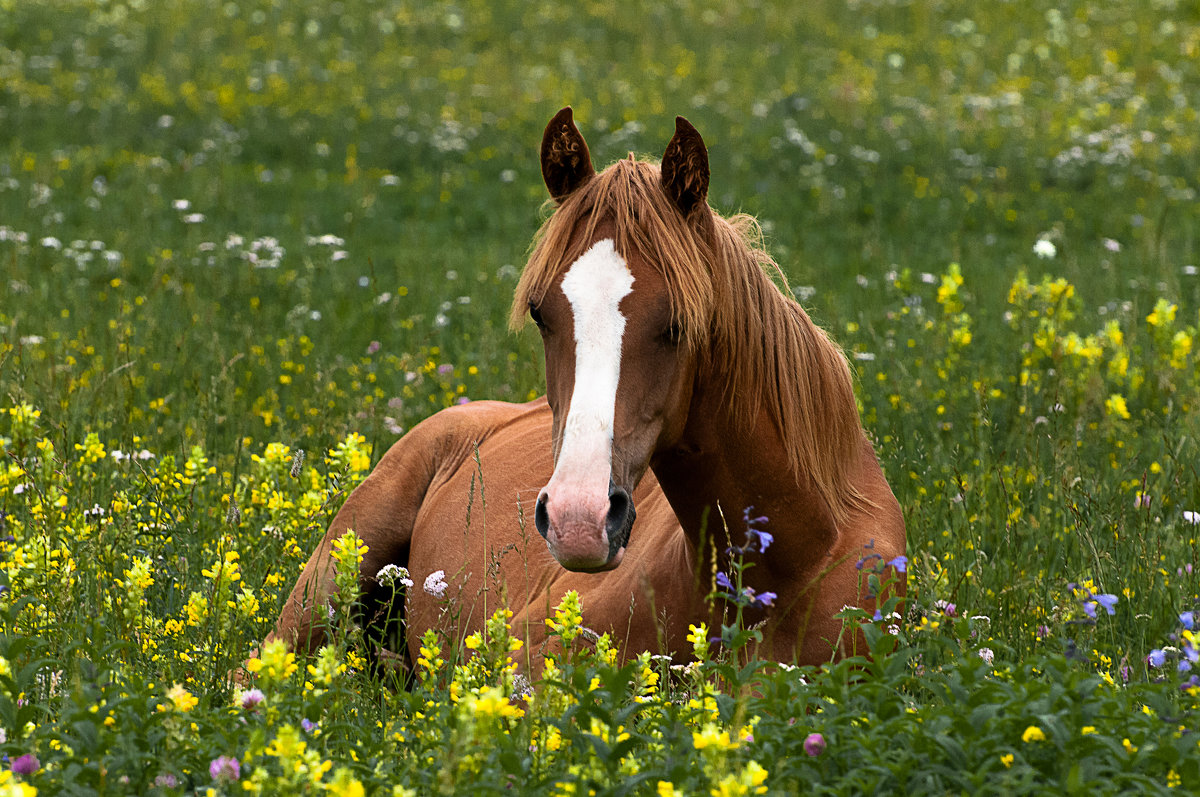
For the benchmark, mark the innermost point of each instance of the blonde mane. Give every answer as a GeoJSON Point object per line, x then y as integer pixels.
{"type": "Point", "coordinates": [732, 303]}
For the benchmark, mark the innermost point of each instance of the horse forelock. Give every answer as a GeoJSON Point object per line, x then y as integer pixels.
{"type": "Point", "coordinates": [731, 301]}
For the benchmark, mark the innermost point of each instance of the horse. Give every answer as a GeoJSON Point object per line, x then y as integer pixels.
{"type": "Point", "coordinates": [685, 388]}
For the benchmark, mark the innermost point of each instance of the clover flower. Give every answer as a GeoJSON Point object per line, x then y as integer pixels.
{"type": "Point", "coordinates": [26, 764]}
{"type": "Point", "coordinates": [814, 744]}
{"type": "Point", "coordinates": [225, 769]}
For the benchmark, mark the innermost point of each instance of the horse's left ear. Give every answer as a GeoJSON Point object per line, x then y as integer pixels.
{"type": "Point", "coordinates": [566, 162]}
{"type": "Point", "coordinates": [685, 167]}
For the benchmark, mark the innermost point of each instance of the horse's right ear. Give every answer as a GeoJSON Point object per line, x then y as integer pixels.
{"type": "Point", "coordinates": [566, 162]}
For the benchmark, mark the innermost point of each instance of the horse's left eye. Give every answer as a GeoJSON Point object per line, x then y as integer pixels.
{"type": "Point", "coordinates": [672, 334]}
{"type": "Point", "coordinates": [536, 316]}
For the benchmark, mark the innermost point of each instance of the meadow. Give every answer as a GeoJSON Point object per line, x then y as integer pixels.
{"type": "Point", "coordinates": [244, 245]}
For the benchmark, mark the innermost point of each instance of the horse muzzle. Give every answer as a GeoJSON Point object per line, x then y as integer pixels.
{"type": "Point", "coordinates": [584, 534]}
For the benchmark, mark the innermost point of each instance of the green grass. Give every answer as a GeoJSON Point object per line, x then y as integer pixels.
{"type": "Point", "coordinates": [227, 227]}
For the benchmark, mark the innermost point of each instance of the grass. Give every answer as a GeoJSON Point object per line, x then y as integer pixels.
{"type": "Point", "coordinates": [260, 239]}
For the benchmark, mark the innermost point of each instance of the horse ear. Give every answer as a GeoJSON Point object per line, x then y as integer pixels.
{"type": "Point", "coordinates": [566, 162]}
{"type": "Point", "coordinates": [685, 167]}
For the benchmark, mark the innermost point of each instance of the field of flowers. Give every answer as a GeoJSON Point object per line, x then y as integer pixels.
{"type": "Point", "coordinates": [244, 245]}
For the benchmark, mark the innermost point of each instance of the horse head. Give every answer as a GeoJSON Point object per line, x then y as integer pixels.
{"type": "Point", "coordinates": [620, 344]}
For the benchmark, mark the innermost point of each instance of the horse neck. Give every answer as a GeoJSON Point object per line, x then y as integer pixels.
{"type": "Point", "coordinates": [724, 466]}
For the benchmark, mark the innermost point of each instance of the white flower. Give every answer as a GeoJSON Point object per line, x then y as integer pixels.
{"type": "Point", "coordinates": [181, 204]}
{"type": "Point", "coordinates": [1044, 249]}
{"type": "Point", "coordinates": [1111, 245]}
{"type": "Point", "coordinates": [389, 574]}
{"type": "Point", "coordinates": [435, 583]}
{"type": "Point", "coordinates": [986, 654]}
{"type": "Point", "coordinates": [1191, 517]}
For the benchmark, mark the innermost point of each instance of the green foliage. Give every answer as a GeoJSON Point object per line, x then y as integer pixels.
{"type": "Point", "coordinates": [233, 234]}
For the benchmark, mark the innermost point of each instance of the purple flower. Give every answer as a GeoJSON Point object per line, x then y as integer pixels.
{"type": "Point", "coordinates": [373, 347]}
{"type": "Point", "coordinates": [225, 769]}
{"type": "Point", "coordinates": [900, 563]}
{"type": "Point", "coordinates": [308, 725]}
{"type": "Point", "coordinates": [26, 764]}
{"type": "Point", "coordinates": [814, 744]}
{"type": "Point", "coordinates": [764, 539]}
{"type": "Point", "coordinates": [1157, 658]}
{"type": "Point", "coordinates": [765, 599]}
{"type": "Point", "coordinates": [251, 698]}
{"type": "Point", "coordinates": [1109, 602]}
{"type": "Point", "coordinates": [166, 781]}
{"type": "Point", "coordinates": [723, 581]}
{"type": "Point", "coordinates": [1188, 619]}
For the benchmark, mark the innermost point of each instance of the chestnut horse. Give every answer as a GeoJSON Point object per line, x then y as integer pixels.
{"type": "Point", "coordinates": [680, 380]}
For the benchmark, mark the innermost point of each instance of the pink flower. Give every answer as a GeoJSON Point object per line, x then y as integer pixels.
{"type": "Point", "coordinates": [814, 744]}
{"type": "Point", "coordinates": [225, 769]}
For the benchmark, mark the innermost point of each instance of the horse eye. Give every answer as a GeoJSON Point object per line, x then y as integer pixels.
{"type": "Point", "coordinates": [673, 334]}
{"type": "Point", "coordinates": [536, 316]}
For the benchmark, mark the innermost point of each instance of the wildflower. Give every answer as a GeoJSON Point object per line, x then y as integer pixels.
{"type": "Point", "coordinates": [1188, 620]}
{"type": "Point", "coordinates": [1007, 759]}
{"type": "Point", "coordinates": [1173, 779]}
{"type": "Point", "coordinates": [667, 789]}
{"type": "Point", "coordinates": [344, 784]}
{"type": "Point", "coordinates": [900, 563]}
{"type": "Point", "coordinates": [1115, 405]}
{"type": "Point", "coordinates": [435, 583]}
{"type": "Point", "coordinates": [698, 636]}
{"type": "Point", "coordinates": [490, 702]}
{"type": "Point", "coordinates": [1106, 600]}
{"type": "Point", "coordinates": [1157, 658]}
{"type": "Point", "coordinates": [1163, 314]}
{"type": "Point", "coordinates": [987, 655]}
{"type": "Point", "coordinates": [26, 764]}
{"type": "Point", "coordinates": [250, 699]}
{"type": "Point", "coordinates": [712, 737]}
{"type": "Point", "coordinates": [389, 574]}
{"type": "Point", "coordinates": [181, 699]}
{"type": "Point", "coordinates": [274, 663]}
{"type": "Point", "coordinates": [1044, 249]}
{"type": "Point", "coordinates": [814, 744]}
{"type": "Point", "coordinates": [1191, 517]}
{"type": "Point", "coordinates": [1087, 730]}
{"type": "Point", "coordinates": [1129, 746]}
{"type": "Point", "coordinates": [225, 769]}
{"type": "Point", "coordinates": [1111, 245]}
{"type": "Point", "coordinates": [1033, 734]}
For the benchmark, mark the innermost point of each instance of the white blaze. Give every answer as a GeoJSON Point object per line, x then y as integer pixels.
{"type": "Point", "coordinates": [594, 285]}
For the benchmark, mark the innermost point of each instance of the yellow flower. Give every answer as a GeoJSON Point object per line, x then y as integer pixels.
{"type": "Point", "coordinates": [1033, 734]}
{"type": "Point", "coordinates": [1129, 746]}
{"type": "Point", "coordinates": [710, 736]}
{"type": "Point", "coordinates": [698, 636]}
{"type": "Point", "coordinates": [1115, 405]}
{"type": "Point", "coordinates": [344, 784]}
{"type": "Point", "coordinates": [1163, 314]}
{"type": "Point", "coordinates": [1087, 729]}
{"type": "Point", "coordinates": [666, 788]}
{"type": "Point", "coordinates": [490, 702]}
{"type": "Point", "coordinates": [1173, 779]}
{"type": "Point", "coordinates": [274, 663]}
{"type": "Point", "coordinates": [182, 699]}
{"type": "Point", "coordinates": [1006, 760]}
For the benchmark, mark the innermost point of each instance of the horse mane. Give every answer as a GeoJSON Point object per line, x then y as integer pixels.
{"type": "Point", "coordinates": [732, 302]}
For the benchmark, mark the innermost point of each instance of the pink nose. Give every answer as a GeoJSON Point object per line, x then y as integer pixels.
{"type": "Point", "coordinates": [585, 532]}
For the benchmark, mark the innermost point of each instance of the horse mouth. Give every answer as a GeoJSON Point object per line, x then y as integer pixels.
{"type": "Point", "coordinates": [589, 547]}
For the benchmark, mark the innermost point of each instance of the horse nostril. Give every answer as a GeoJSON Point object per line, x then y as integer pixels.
{"type": "Point", "coordinates": [618, 521]}
{"type": "Point", "coordinates": [541, 517]}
